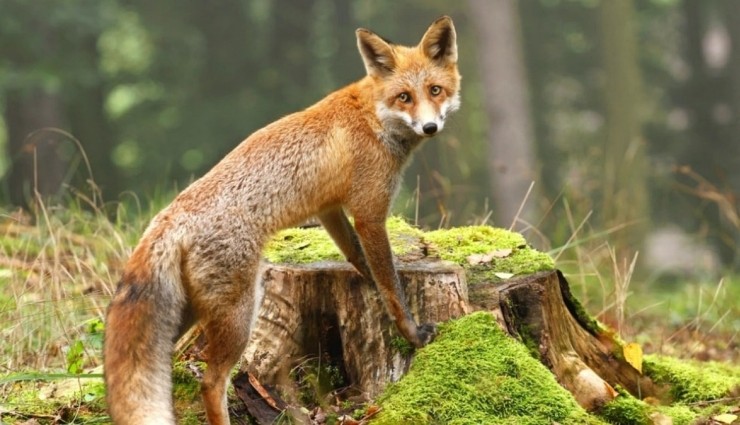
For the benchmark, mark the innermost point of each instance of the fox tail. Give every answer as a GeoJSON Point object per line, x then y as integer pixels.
{"type": "Point", "coordinates": [143, 323]}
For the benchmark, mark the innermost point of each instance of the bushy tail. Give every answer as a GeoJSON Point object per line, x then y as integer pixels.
{"type": "Point", "coordinates": [141, 327]}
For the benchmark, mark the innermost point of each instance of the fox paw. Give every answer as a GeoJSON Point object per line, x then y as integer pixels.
{"type": "Point", "coordinates": [425, 333]}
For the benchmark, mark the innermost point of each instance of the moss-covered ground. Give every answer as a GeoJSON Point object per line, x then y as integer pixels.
{"type": "Point", "coordinates": [474, 373]}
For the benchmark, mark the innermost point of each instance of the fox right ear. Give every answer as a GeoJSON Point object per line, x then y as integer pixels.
{"type": "Point", "coordinates": [376, 53]}
{"type": "Point", "coordinates": [440, 41]}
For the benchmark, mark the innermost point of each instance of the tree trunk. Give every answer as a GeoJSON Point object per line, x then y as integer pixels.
{"type": "Point", "coordinates": [327, 311]}
{"type": "Point", "coordinates": [90, 125]}
{"type": "Point", "coordinates": [36, 165]}
{"type": "Point", "coordinates": [624, 192]}
{"type": "Point", "coordinates": [511, 152]}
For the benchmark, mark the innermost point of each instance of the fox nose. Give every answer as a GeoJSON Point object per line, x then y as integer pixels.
{"type": "Point", "coordinates": [429, 128]}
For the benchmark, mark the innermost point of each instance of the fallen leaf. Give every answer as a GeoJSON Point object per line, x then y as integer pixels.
{"type": "Point", "coordinates": [475, 259]}
{"type": "Point", "coordinates": [660, 419]}
{"type": "Point", "coordinates": [633, 355]}
{"type": "Point", "coordinates": [612, 392]}
{"type": "Point", "coordinates": [501, 253]}
{"type": "Point", "coordinates": [372, 409]}
{"type": "Point", "coordinates": [262, 391]}
{"type": "Point", "coordinates": [725, 418]}
{"type": "Point", "coordinates": [501, 275]}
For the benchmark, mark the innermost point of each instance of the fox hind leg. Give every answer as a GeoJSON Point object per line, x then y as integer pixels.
{"type": "Point", "coordinates": [226, 325]}
{"type": "Point", "coordinates": [227, 338]}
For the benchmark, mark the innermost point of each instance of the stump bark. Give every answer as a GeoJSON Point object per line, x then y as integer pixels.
{"type": "Point", "coordinates": [328, 311]}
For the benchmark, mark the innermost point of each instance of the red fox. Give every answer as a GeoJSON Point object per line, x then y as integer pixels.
{"type": "Point", "coordinates": [198, 260]}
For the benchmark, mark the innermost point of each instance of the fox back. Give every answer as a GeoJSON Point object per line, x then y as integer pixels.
{"type": "Point", "coordinates": [198, 261]}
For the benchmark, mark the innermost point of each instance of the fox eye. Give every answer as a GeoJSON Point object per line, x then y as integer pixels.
{"type": "Point", "coordinates": [404, 97]}
{"type": "Point", "coordinates": [435, 90]}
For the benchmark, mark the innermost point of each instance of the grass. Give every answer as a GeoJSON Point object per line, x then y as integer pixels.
{"type": "Point", "coordinates": [56, 276]}
{"type": "Point", "coordinates": [686, 315]}
{"type": "Point", "coordinates": [55, 279]}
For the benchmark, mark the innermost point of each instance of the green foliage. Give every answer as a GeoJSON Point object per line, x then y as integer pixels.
{"type": "Point", "coordinates": [314, 379]}
{"type": "Point", "coordinates": [474, 373]}
{"type": "Point", "coordinates": [186, 385]}
{"type": "Point", "coordinates": [75, 357]}
{"type": "Point", "coordinates": [71, 398]}
{"type": "Point", "coordinates": [402, 346]}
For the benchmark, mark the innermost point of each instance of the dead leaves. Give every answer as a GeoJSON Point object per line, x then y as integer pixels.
{"type": "Point", "coordinates": [725, 418]}
{"type": "Point", "coordinates": [487, 259]}
{"type": "Point", "coordinates": [477, 259]}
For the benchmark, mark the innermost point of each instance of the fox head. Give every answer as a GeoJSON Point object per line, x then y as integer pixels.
{"type": "Point", "coordinates": [416, 88]}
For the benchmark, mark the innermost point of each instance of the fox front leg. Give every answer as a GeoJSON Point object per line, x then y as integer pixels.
{"type": "Point", "coordinates": [341, 231]}
{"type": "Point", "coordinates": [374, 240]}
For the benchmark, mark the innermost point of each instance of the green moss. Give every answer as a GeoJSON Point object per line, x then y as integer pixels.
{"type": "Point", "coordinates": [186, 385]}
{"type": "Point", "coordinates": [626, 410]}
{"type": "Point", "coordinates": [579, 311]}
{"type": "Point", "coordinates": [474, 373]}
{"type": "Point", "coordinates": [681, 415]}
{"type": "Point", "coordinates": [308, 245]}
{"type": "Point", "coordinates": [459, 243]}
{"type": "Point", "coordinates": [300, 246]}
{"type": "Point", "coordinates": [692, 381]}
{"type": "Point", "coordinates": [402, 346]}
{"type": "Point", "coordinates": [72, 400]}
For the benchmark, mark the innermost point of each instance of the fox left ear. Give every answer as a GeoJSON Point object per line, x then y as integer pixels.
{"type": "Point", "coordinates": [377, 54]}
{"type": "Point", "coordinates": [440, 41]}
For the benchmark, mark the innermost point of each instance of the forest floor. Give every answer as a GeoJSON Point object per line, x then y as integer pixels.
{"type": "Point", "coordinates": [56, 277]}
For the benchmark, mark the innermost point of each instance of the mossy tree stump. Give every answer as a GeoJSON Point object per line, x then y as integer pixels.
{"type": "Point", "coordinates": [324, 309]}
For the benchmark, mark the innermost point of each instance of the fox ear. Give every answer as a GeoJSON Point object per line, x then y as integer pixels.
{"type": "Point", "coordinates": [376, 53]}
{"type": "Point", "coordinates": [440, 41]}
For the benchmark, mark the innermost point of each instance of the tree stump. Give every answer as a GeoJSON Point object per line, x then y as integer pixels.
{"type": "Point", "coordinates": [327, 308]}
{"type": "Point", "coordinates": [540, 311]}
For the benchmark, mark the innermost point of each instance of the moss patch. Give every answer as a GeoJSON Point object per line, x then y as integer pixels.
{"type": "Point", "coordinates": [71, 400]}
{"type": "Point", "coordinates": [458, 244]}
{"type": "Point", "coordinates": [474, 373]}
{"type": "Point", "coordinates": [627, 410]}
{"type": "Point", "coordinates": [300, 246]}
{"type": "Point", "coordinates": [693, 381]}
{"type": "Point", "coordinates": [690, 382]}
{"type": "Point", "coordinates": [307, 245]}
{"type": "Point", "coordinates": [186, 385]}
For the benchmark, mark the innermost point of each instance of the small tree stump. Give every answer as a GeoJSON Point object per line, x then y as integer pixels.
{"type": "Point", "coordinates": [327, 308]}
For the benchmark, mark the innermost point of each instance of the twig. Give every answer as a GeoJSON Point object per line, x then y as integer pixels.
{"type": "Point", "coordinates": [715, 401]}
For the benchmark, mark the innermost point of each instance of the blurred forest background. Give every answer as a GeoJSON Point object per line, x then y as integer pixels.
{"type": "Point", "coordinates": [623, 113]}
